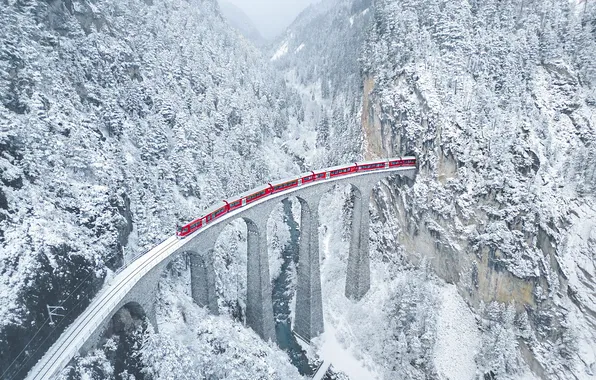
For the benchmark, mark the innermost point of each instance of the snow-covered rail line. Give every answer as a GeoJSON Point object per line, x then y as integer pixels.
{"type": "Point", "coordinates": [50, 365]}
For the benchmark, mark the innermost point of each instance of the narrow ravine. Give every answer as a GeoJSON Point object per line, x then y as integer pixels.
{"type": "Point", "coordinates": [282, 294]}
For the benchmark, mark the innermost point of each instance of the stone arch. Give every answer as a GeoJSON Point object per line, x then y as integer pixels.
{"type": "Point", "coordinates": [229, 244]}
{"type": "Point", "coordinates": [297, 255]}
{"type": "Point", "coordinates": [258, 310]}
{"type": "Point", "coordinates": [358, 271]}
{"type": "Point", "coordinates": [303, 217]}
{"type": "Point", "coordinates": [129, 317]}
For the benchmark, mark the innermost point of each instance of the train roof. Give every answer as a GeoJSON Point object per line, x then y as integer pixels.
{"type": "Point", "coordinates": [218, 205]}
{"type": "Point", "coordinates": [249, 192]}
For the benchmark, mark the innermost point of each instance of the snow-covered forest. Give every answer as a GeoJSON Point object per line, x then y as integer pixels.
{"type": "Point", "coordinates": [497, 100]}
{"type": "Point", "coordinates": [120, 119]}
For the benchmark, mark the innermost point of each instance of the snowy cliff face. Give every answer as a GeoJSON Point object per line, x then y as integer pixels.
{"type": "Point", "coordinates": [498, 101]}
{"type": "Point", "coordinates": [118, 119]}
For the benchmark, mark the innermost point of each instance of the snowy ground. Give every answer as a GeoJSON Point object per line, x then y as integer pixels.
{"type": "Point", "coordinates": [458, 338]}
{"type": "Point", "coordinates": [342, 357]}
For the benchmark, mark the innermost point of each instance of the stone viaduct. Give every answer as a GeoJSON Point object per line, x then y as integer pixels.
{"type": "Point", "coordinates": [136, 286]}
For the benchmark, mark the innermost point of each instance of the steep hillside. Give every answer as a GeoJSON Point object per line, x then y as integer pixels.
{"type": "Point", "coordinates": [497, 99]}
{"type": "Point", "coordinates": [319, 56]}
{"type": "Point", "coordinates": [241, 22]}
{"type": "Point", "coordinates": [118, 120]}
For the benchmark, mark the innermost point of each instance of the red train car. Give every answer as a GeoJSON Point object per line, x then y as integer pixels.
{"type": "Point", "coordinates": [342, 170]}
{"type": "Point", "coordinates": [258, 193]}
{"type": "Point", "coordinates": [278, 187]}
{"type": "Point", "coordinates": [372, 165]}
{"type": "Point", "coordinates": [304, 179]}
{"type": "Point", "coordinates": [403, 161]}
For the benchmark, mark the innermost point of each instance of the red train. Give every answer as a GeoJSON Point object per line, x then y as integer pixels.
{"type": "Point", "coordinates": [272, 188]}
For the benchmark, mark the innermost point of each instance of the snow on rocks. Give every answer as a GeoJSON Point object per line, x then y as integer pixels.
{"type": "Point", "coordinates": [458, 337]}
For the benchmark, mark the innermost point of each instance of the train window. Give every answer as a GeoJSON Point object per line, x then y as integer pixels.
{"type": "Point", "coordinates": [255, 195]}
{"type": "Point", "coordinates": [285, 185]}
{"type": "Point", "coordinates": [185, 230]}
{"type": "Point", "coordinates": [234, 204]}
{"type": "Point", "coordinates": [219, 212]}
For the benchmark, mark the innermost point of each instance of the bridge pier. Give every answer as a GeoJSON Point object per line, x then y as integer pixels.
{"type": "Point", "coordinates": [308, 321]}
{"type": "Point", "coordinates": [151, 315]}
{"type": "Point", "coordinates": [202, 280]}
{"type": "Point", "coordinates": [259, 306]}
{"type": "Point", "coordinates": [358, 273]}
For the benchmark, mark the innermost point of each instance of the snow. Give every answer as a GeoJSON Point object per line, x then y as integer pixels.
{"type": "Point", "coordinates": [352, 21]}
{"type": "Point", "coordinates": [458, 338]}
{"type": "Point", "coordinates": [283, 50]}
{"type": "Point", "coordinates": [341, 357]}
{"type": "Point", "coordinates": [300, 48]}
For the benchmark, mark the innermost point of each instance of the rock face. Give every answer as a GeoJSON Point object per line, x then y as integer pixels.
{"type": "Point", "coordinates": [502, 119]}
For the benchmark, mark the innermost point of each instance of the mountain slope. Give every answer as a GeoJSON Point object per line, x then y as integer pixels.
{"type": "Point", "coordinates": [241, 22]}
{"type": "Point", "coordinates": [118, 120]}
{"type": "Point", "coordinates": [497, 101]}
{"type": "Point", "coordinates": [319, 56]}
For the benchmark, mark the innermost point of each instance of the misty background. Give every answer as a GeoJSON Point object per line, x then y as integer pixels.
{"type": "Point", "coordinates": [270, 17]}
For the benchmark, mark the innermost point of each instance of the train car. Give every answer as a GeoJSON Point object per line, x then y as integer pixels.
{"type": "Point", "coordinates": [215, 212]}
{"type": "Point", "coordinates": [395, 162]}
{"type": "Point", "coordinates": [187, 229]}
{"type": "Point", "coordinates": [307, 178]}
{"type": "Point", "coordinates": [234, 204]}
{"type": "Point", "coordinates": [372, 165]}
{"type": "Point", "coordinates": [342, 170]}
{"type": "Point", "coordinates": [320, 175]}
{"type": "Point", "coordinates": [211, 214]}
{"type": "Point", "coordinates": [403, 161]}
{"type": "Point", "coordinates": [256, 194]}
{"type": "Point", "coordinates": [409, 161]}
{"type": "Point", "coordinates": [285, 184]}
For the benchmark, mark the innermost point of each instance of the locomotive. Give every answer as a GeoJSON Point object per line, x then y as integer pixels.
{"type": "Point", "coordinates": [276, 187]}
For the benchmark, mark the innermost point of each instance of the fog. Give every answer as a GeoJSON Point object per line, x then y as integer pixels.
{"type": "Point", "coordinates": [271, 17]}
